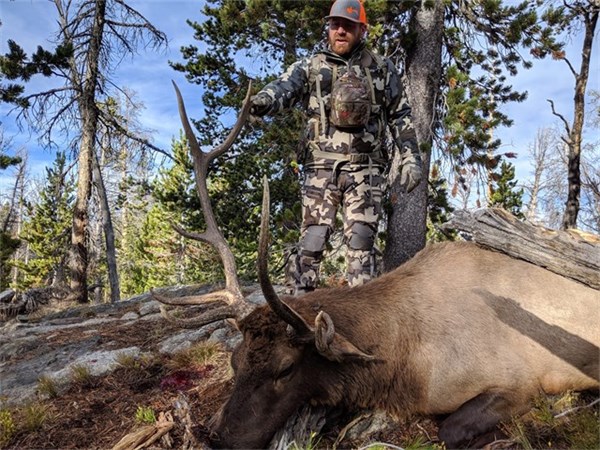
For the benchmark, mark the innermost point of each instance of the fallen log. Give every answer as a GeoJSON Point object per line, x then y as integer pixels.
{"type": "Point", "coordinates": [147, 435]}
{"type": "Point", "coordinates": [7, 295]}
{"type": "Point", "coordinates": [574, 254]}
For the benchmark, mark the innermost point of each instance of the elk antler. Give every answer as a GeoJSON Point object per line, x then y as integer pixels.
{"type": "Point", "coordinates": [328, 342]}
{"type": "Point", "coordinates": [281, 308]}
{"type": "Point", "coordinates": [231, 294]}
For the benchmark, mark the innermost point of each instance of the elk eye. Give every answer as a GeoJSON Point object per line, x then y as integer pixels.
{"type": "Point", "coordinates": [287, 371]}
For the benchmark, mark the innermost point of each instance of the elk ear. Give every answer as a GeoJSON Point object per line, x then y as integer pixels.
{"type": "Point", "coordinates": [334, 346]}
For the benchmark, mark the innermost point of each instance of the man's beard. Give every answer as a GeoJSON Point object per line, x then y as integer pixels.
{"type": "Point", "coordinates": [341, 48]}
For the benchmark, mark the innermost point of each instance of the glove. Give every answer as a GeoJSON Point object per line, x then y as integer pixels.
{"type": "Point", "coordinates": [411, 170]}
{"type": "Point", "coordinates": [261, 104]}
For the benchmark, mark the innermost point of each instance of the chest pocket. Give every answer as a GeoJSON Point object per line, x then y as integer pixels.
{"type": "Point", "coordinates": [355, 97]}
{"type": "Point", "coordinates": [351, 100]}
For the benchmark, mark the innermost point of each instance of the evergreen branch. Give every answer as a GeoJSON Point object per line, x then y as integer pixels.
{"type": "Point", "coordinates": [271, 42]}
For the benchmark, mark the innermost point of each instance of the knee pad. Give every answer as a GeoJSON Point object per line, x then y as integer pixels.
{"type": "Point", "coordinates": [362, 237]}
{"type": "Point", "coordinates": [314, 239]}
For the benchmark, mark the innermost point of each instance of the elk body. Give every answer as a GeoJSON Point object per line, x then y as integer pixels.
{"type": "Point", "coordinates": [458, 330]}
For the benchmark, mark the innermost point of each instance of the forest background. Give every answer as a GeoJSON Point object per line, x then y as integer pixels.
{"type": "Point", "coordinates": [140, 173]}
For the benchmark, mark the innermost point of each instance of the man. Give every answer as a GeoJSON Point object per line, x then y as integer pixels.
{"type": "Point", "coordinates": [351, 95]}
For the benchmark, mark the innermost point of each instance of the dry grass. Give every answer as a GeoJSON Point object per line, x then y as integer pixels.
{"type": "Point", "coordinates": [570, 421]}
{"type": "Point", "coordinates": [197, 355]}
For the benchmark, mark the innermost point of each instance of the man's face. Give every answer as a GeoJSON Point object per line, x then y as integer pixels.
{"type": "Point", "coordinates": [344, 35]}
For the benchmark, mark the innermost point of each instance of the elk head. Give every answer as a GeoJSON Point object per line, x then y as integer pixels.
{"type": "Point", "coordinates": [280, 349]}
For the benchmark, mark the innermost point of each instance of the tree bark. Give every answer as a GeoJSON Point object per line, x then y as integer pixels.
{"type": "Point", "coordinates": [407, 219]}
{"type": "Point", "coordinates": [109, 234]}
{"type": "Point", "coordinates": [89, 117]}
{"type": "Point", "coordinates": [573, 254]}
{"type": "Point", "coordinates": [590, 19]}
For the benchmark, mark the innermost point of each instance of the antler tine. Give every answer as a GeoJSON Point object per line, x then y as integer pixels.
{"type": "Point", "coordinates": [281, 308]}
{"type": "Point", "coordinates": [206, 317]}
{"type": "Point", "coordinates": [232, 293]}
{"type": "Point", "coordinates": [226, 312]}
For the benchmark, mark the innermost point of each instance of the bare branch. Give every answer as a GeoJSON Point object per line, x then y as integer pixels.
{"type": "Point", "coordinates": [572, 410]}
{"type": "Point", "coordinates": [560, 116]}
{"type": "Point", "coordinates": [571, 68]}
{"type": "Point", "coordinates": [107, 119]}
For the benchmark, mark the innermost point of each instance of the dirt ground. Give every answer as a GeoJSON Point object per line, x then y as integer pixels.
{"type": "Point", "coordinates": [97, 412]}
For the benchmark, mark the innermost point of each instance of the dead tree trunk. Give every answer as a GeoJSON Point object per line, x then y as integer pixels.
{"type": "Point", "coordinates": [572, 253]}
{"type": "Point", "coordinates": [89, 114]}
{"type": "Point", "coordinates": [574, 133]}
{"type": "Point", "coordinates": [109, 233]}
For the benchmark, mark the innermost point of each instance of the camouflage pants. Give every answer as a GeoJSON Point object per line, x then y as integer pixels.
{"type": "Point", "coordinates": [358, 193]}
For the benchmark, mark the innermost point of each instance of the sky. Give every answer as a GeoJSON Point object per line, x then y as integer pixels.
{"type": "Point", "coordinates": [33, 22]}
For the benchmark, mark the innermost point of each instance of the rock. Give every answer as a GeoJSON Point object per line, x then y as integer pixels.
{"type": "Point", "coordinates": [150, 307]}
{"type": "Point", "coordinates": [99, 362]}
{"type": "Point", "coordinates": [94, 336]}
{"type": "Point", "coordinates": [184, 339]}
{"type": "Point", "coordinates": [364, 426]}
{"type": "Point", "coordinates": [130, 316]}
{"type": "Point", "coordinates": [256, 298]}
{"type": "Point", "coordinates": [20, 371]}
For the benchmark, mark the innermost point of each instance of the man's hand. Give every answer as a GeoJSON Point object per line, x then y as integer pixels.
{"type": "Point", "coordinates": [261, 104]}
{"type": "Point", "coordinates": [411, 170]}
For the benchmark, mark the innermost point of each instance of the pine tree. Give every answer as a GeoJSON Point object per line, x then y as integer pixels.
{"type": "Point", "coordinates": [265, 148]}
{"type": "Point", "coordinates": [178, 202]}
{"type": "Point", "coordinates": [461, 72]}
{"type": "Point", "coordinates": [153, 253]}
{"type": "Point", "coordinates": [174, 188]}
{"type": "Point", "coordinates": [132, 219]}
{"type": "Point", "coordinates": [439, 208]}
{"type": "Point", "coordinates": [151, 261]}
{"type": "Point", "coordinates": [11, 221]}
{"type": "Point", "coordinates": [101, 33]}
{"type": "Point", "coordinates": [47, 232]}
{"type": "Point", "coordinates": [8, 246]}
{"type": "Point", "coordinates": [504, 194]}
{"type": "Point", "coordinates": [17, 65]}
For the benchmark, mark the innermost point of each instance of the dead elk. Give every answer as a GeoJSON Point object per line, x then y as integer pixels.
{"type": "Point", "coordinates": [458, 330]}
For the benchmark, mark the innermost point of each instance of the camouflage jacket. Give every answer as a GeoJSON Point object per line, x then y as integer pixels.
{"type": "Point", "coordinates": [362, 147]}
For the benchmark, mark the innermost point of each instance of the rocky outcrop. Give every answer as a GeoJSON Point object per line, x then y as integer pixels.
{"type": "Point", "coordinates": [94, 337]}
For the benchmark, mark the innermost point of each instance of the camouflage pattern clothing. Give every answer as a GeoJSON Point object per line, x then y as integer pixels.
{"type": "Point", "coordinates": [344, 166]}
{"type": "Point", "coordinates": [358, 192]}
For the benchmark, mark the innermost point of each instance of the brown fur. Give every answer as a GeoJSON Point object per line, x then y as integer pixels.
{"type": "Point", "coordinates": [457, 330]}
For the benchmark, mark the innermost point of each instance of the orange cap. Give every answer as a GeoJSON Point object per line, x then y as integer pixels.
{"type": "Point", "coordinates": [352, 10]}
